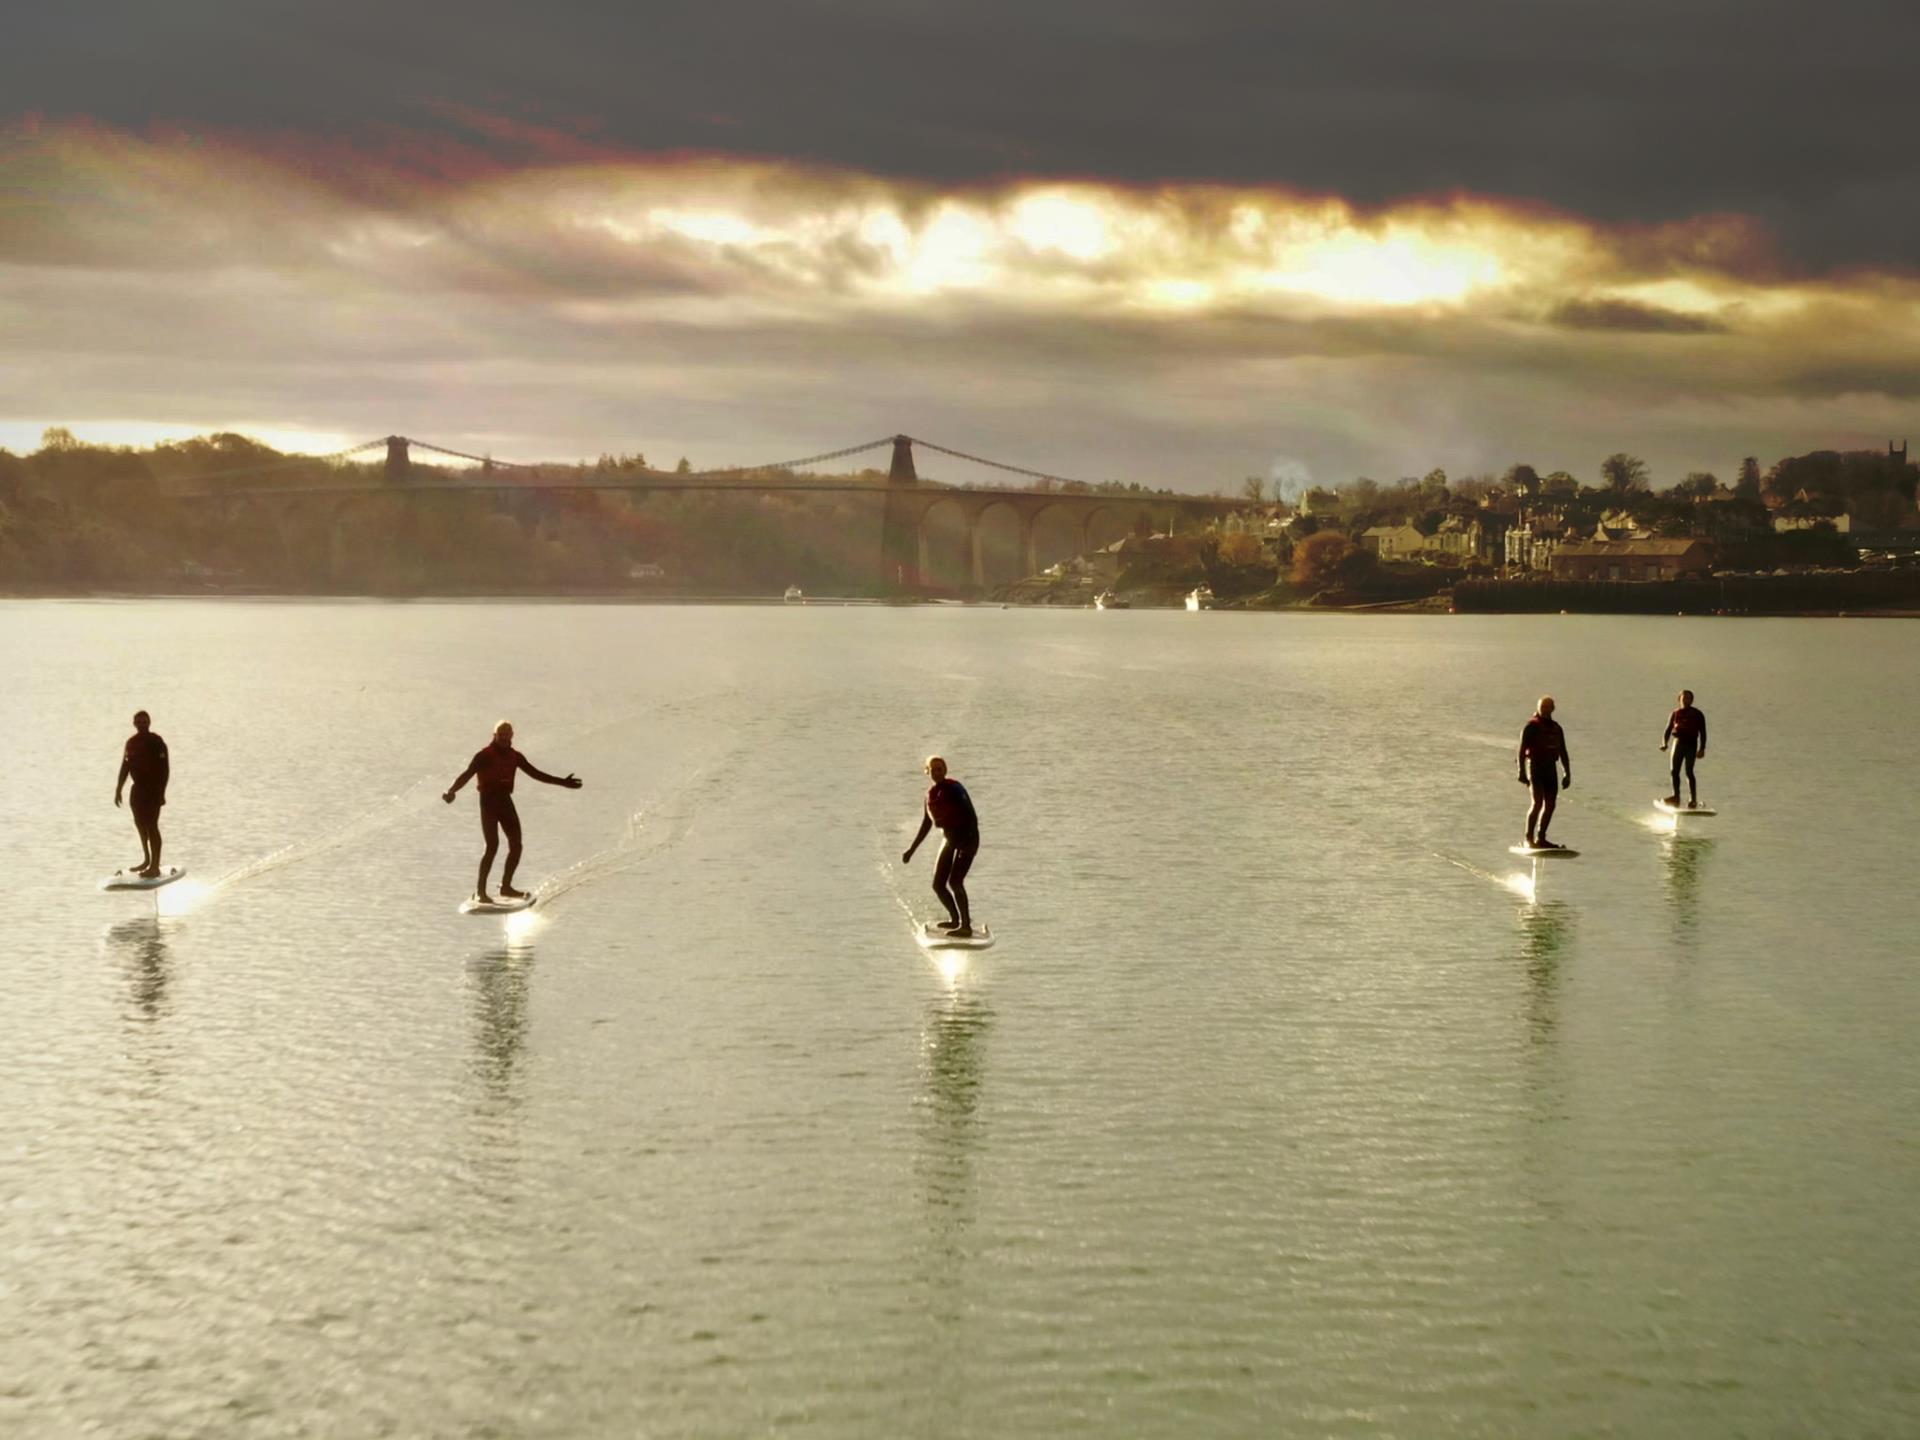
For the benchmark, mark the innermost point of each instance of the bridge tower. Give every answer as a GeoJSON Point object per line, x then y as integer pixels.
{"type": "Point", "coordinates": [900, 524]}
{"type": "Point", "coordinates": [399, 462]}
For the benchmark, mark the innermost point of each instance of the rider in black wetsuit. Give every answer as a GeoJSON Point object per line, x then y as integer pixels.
{"type": "Point", "coordinates": [1543, 745]}
{"type": "Point", "coordinates": [145, 762]}
{"type": "Point", "coordinates": [951, 808]}
{"type": "Point", "coordinates": [494, 768]}
{"type": "Point", "coordinates": [1687, 732]}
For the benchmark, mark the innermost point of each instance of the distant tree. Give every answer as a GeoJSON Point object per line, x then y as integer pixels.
{"type": "Point", "coordinates": [1254, 487]}
{"type": "Point", "coordinates": [1698, 485]}
{"type": "Point", "coordinates": [1560, 484]}
{"type": "Point", "coordinates": [685, 467]}
{"type": "Point", "coordinates": [1359, 494]}
{"type": "Point", "coordinates": [1316, 558]}
{"type": "Point", "coordinates": [1623, 473]}
{"type": "Point", "coordinates": [1747, 487]}
{"type": "Point", "coordinates": [1239, 549]}
{"type": "Point", "coordinates": [1522, 480]}
{"type": "Point", "coordinates": [58, 437]}
{"type": "Point", "coordinates": [1355, 568]}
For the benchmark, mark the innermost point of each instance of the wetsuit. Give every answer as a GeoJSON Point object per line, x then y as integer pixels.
{"type": "Point", "coordinates": [1687, 729]}
{"type": "Point", "coordinates": [1543, 747]}
{"type": "Point", "coordinates": [492, 769]}
{"type": "Point", "coordinates": [951, 808]}
{"type": "Point", "coordinates": [145, 762]}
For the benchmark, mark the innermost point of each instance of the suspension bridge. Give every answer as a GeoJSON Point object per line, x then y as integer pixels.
{"type": "Point", "coordinates": [906, 503]}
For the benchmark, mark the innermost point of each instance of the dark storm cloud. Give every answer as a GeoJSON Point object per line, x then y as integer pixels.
{"type": "Point", "coordinates": [1627, 111]}
{"type": "Point", "coordinates": [1627, 315]}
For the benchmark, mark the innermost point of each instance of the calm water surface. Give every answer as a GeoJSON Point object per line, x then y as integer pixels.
{"type": "Point", "coordinates": [1284, 1106]}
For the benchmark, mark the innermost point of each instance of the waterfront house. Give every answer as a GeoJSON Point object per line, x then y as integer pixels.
{"type": "Point", "coordinates": [1787, 520]}
{"type": "Point", "coordinates": [1532, 546]}
{"type": "Point", "coordinates": [1457, 538]}
{"type": "Point", "coordinates": [1393, 542]}
{"type": "Point", "coordinates": [1673, 559]}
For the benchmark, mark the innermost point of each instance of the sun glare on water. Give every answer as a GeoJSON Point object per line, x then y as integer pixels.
{"type": "Point", "coordinates": [522, 926]}
{"type": "Point", "coordinates": [952, 966]}
{"type": "Point", "coordinates": [182, 897]}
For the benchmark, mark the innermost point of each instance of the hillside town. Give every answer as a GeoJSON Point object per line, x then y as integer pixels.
{"type": "Point", "coordinates": [1824, 512]}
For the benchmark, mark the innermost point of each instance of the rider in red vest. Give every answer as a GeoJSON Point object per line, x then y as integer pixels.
{"type": "Point", "coordinates": [494, 768]}
{"type": "Point", "coordinates": [1687, 733]}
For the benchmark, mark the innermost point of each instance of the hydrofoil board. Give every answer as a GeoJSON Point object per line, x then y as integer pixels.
{"type": "Point", "coordinates": [474, 905]}
{"type": "Point", "coordinates": [1536, 852]}
{"type": "Point", "coordinates": [134, 880]}
{"type": "Point", "coordinates": [932, 937]}
{"type": "Point", "coordinates": [1667, 807]}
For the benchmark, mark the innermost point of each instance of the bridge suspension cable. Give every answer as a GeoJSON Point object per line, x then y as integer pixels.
{"type": "Point", "coordinates": [797, 464]}
{"type": "Point", "coordinates": [719, 473]}
{"type": "Point", "coordinates": [695, 474]}
{"type": "Point", "coordinates": [996, 464]}
{"type": "Point", "coordinates": [463, 455]}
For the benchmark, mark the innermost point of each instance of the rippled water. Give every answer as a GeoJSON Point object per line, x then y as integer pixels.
{"type": "Point", "coordinates": [1282, 1106]}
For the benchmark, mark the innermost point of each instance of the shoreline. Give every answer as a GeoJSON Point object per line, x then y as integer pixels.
{"type": "Point", "coordinates": [620, 597]}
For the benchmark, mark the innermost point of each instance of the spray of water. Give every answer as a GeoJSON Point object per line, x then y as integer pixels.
{"type": "Point", "coordinates": [1522, 884]}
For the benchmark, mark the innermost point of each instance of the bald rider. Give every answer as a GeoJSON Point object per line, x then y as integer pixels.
{"type": "Point", "coordinates": [1687, 734]}
{"type": "Point", "coordinates": [493, 768]}
{"type": "Point", "coordinates": [144, 760]}
{"type": "Point", "coordinates": [1543, 747]}
{"type": "Point", "coordinates": [950, 807]}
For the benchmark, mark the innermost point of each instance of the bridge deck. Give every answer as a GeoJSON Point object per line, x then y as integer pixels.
{"type": "Point", "coordinates": [526, 485]}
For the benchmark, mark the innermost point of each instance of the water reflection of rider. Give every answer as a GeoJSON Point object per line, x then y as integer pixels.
{"type": "Point", "coordinates": [953, 1055]}
{"type": "Point", "coordinates": [501, 981]}
{"type": "Point", "coordinates": [142, 945]}
{"type": "Point", "coordinates": [1686, 855]}
{"type": "Point", "coordinates": [956, 1031]}
{"type": "Point", "coordinates": [1545, 929]}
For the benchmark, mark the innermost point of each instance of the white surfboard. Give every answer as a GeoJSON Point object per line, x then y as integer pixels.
{"type": "Point", "coordinates": [134, 880]}
{"type": "Point", "coordinates": [1535, 852]}
{"type": "Point", "coordinates": [473, 905]}
{"type": "Point", "coordinates": [931, 937]}
{"type": "Point", "coordinates": [1665, 807]}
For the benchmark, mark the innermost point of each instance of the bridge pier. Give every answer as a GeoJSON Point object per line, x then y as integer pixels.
{"type": "Point", "coordinates": [336, 549]}
{"type": "Point", "coordinates": [399, 459]}
{"type": "Point", "coordinates": [903, 540]}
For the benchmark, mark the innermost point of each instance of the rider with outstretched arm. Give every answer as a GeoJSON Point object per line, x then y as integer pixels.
{"type": "Point", "coordinates": [494, 767]}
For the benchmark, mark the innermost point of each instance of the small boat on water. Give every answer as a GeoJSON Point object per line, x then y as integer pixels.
{"type": "Point", "coordinates": [1200, 598]}
{"type": "Point", "coordinates": [1107, 600]}
{"type": "Point", "coordinates": [793, 596]}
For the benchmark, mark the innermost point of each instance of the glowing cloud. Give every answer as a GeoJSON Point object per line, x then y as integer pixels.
{"type": "Point", "coordinates": [321, 292]}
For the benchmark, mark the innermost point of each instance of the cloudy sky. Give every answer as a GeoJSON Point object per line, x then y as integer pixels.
{"type": "Point", "coordinates": [1173, 242]}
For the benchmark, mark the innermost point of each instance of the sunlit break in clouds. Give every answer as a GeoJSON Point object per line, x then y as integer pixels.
{"type": "Point", "coordinates": [736, 310]}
